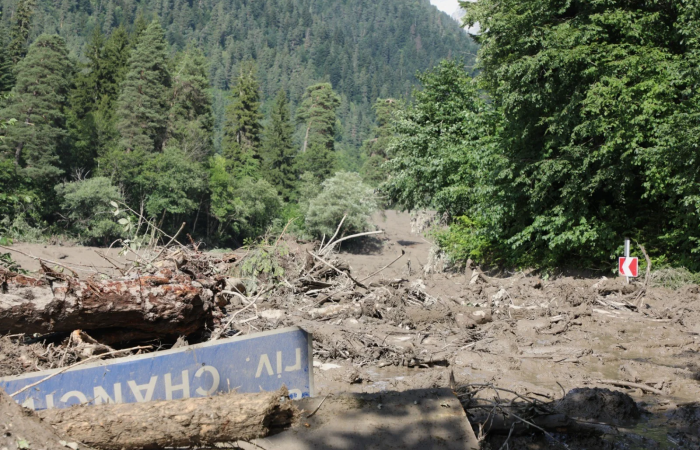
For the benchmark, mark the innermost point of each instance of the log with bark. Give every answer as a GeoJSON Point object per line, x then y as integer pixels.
{"type": "Point", "coordinates": [175, 423]}
{"type": "Point", "coordinates": [145, 306]}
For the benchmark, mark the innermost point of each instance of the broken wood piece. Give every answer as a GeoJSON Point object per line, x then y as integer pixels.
{"type": "Point", "coordinates": [175, 423]}
{"type": "Point", "coordinates": [340, 272]}
{"type": "Point", "coordinates": [628, 384]}
{"type": "Point", "coordinates": [330, 311]}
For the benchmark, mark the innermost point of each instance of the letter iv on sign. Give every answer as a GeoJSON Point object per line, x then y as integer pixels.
{"type": "Point", "coordinates": [252, 363]}
{"type": "Point", "coordinates": [628, 266]}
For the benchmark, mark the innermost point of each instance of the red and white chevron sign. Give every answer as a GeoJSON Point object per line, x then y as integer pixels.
{"type": "Point", "coordinates": [629, 266]}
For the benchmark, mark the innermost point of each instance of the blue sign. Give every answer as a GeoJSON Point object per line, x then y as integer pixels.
{"type": "Point", "coordinates": [253, 363]}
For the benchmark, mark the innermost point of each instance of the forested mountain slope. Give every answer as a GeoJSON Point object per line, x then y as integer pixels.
{"type": "Point", "coordinates": [365, 49]}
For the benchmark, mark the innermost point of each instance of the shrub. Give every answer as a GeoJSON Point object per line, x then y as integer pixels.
{"type": "Point", "coordinates": [85, 206]}
{"type": "Point", "coordinates": [343, 194]}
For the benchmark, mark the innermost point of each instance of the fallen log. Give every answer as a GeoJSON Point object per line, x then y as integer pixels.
{"type": "Point", "coordinates": [175, 423]}
{"type": "Point", "coordinates": [23, 429]}
{"type": "Point", "coordinates": [556, 423]}
{"type": "Point", "coordinates": [162, 305]}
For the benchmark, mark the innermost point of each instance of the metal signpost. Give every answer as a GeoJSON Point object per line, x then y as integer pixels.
{"type": "Point", "coordinates": [628, 267]}
{"type": "Point", "coordinates": [253, 363]}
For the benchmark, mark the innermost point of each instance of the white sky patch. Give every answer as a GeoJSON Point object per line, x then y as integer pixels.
{"type": "Point", "coordinates": [448, 6]}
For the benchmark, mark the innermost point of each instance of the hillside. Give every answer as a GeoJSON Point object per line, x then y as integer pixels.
{"type": "Point", "coordinates": [365, 49]}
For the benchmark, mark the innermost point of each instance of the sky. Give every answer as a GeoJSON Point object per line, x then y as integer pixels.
{"type": "Point", "coordinates": [449, 6]}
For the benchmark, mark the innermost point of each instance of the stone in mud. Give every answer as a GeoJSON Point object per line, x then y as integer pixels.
{"type": "Point", "coordinates": [464, 321]}
{"type": "Point", "coordinates": [601, 405]}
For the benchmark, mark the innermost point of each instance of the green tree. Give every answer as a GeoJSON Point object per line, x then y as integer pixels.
{"type": "Point", "coordinates": [142, 107]}
{"type": "Point", "coordinates": [191, 119]}
{"type": "Point", "coordinates": [433, 157]}
{"type": "Point", "coordinates": [20, 29]}
{"type": "Point", "coordinates": [38, 102]}
{"type": "Point", "coordinates": [171, 183]}
{"type": "Point", "coordinates": [317, 114]}
{"type": "Point", "coordinates": [600, 128]}
{"type": "Point", "coordinates": [243, 207]}
{"type": "Point", "coordinates": [375, 148]}
{"type": "Point", "coordinates": [278, 148]}
{"type": "Point", "coordinates": [7, 80]}
{"type": "Point", "coordinates": [91, 120]}
{"type": "Point", "coordinates": [242, 132]}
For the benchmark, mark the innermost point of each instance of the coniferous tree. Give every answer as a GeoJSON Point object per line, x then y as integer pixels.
{"type": "Point", "coordinates": [317, 114]}
{"type": "Point", "coordinates": [142, 107]}
{"type": "Point", "coordinates": [91, 120]}
{"type": "Point", "coordinates": [241, 143]}
{"type": "Point", "coordinates": [6, 78]}
{"type": "Point", "coordinates": [38, 102]}
{"type": "Point", "coordinates": [191, 119]}
{"type": "Point", "coordinates": [21, 28]}
{"type": "Point", "coordinates": [375, 148]}
{"type": "Point", "coordinates": [278, 148]}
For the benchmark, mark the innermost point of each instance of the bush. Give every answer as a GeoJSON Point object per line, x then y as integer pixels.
{"type": "Point", "coordinates": [343, 194]}
{"type": "Point", "coordinates": [85, 206]}
{"type": "Point", "coordinates": [258, 204]}
{"type": "Point", "coordinates": [245, 207]}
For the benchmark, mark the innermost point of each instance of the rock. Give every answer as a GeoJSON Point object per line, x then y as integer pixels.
{"type": "Point", "coordinates": [272, 315]}
{"type": "Point", "coordinates": [464, 321]}
{"type": "Point", "coordinates": [602, 405]}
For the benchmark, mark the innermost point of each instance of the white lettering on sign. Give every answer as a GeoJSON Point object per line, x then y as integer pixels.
{"type": "Point", "coordinates": [264, 363]}
{"type": "Point", "coordinates": [29, 403]}
{"type": "Point", "coordinates": [49, 402]}
{"type": "Point", "coordinates": [215, 380]}
{"type": "Point", "coordinates": [297, 365]}
{"type": "Point", "coordinates": [101, 395]}
{"type": "Point", "coordinates": [184, 386]}
{"type": "Point", "coordinates": [77, 394]}
{"type": "Point", "coordinates": [136, 389]}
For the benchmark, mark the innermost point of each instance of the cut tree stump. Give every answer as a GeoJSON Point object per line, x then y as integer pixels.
{"type": "Point", "coordinates": [175, 423]}
{"type": "Point", "coordinates": [147, 306]}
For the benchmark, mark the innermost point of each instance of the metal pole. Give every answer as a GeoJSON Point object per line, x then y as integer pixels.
{"type": "Point", "coordinates": [627, 254]}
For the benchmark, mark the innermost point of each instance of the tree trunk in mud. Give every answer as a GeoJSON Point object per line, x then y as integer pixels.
{"type": "Point", "coordinates": [178, 423]}
{"type": "Point", "coordinates": [142, 307]}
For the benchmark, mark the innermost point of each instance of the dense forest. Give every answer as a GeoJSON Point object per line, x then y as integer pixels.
{"type": "Point", "coordinates": [225, 115]}
{"type": "Point", "coordinates": [581, 128]}
{"type": "Point", "coordinates": [576, 125]}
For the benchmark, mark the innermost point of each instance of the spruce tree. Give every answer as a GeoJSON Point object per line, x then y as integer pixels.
{"type": "Point", "coordinates": [317, 114]}
{"type": "Point", "coordinates": [91, 120]}
{"type": "Point", "coordinates": [243, 124]}
{"type": "Point", "coordinates": [6, 78]}
{"type": "Point", "coordinates": [21, 28]}
{"type": "Point", "coordinates": [375, 148]}
{"type": "Point", "coordinates": [191, 119]}
{"type": "Point", "coordinates": [278, 148]}
{"type": "Point", "coordinates": [142, 107]}
{"type": "Point", "coordinates": [38, 102]}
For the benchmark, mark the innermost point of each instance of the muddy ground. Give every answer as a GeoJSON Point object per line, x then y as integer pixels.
{"type": "Point", "coordinates": [412, 326]}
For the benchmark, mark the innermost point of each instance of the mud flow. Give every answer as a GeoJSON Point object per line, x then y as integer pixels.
{"type": "Point", "coordinates": [536, 362]}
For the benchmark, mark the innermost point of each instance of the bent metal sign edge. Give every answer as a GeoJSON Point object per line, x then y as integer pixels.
{"type": "Point", "coordinates": [253, 363]}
